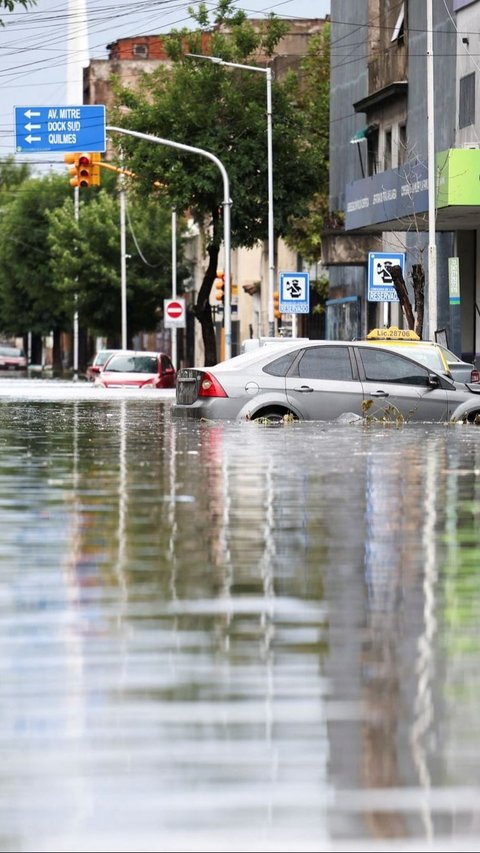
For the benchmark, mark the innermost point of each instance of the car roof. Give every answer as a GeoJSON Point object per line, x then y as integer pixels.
{"type": "Point", "coordinates": [265, 354]}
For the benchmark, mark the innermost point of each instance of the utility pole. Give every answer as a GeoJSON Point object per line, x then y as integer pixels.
{"type": "Point", "coordinates": [432, 182]}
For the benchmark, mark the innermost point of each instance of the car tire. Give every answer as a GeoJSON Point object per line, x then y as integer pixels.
{"type": "Point", "coordinates": [274, 416]}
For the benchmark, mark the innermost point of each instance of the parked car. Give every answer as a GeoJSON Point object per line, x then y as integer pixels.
{"type": "Point", "coordinates": [100, 361]}
{"type": "Point", "coordinates": [12, 358]}
{"type": "Point", "coordinates": [137, 370]}
{"type": "Point", "coordinates": [322, 380]}
{"type": "Point", "coordinates": [462, 371]}
{"type": "Point", "coordinates": [429, 353]}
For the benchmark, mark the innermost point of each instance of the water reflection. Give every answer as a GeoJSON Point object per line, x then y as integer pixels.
{"type": "Point", "coordinates": [228, 637]}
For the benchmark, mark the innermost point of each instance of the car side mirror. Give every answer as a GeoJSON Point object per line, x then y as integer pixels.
{"type": "Point", "coordinates": [433, 380]}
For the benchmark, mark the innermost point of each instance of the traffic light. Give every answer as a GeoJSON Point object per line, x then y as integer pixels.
{"type": "Point", "coordinates": [85, 170]}
{"type": "Point", "coordinates": [276, 304]}
{"type": "Point", "coordinates": [220, 286]}
{"type": "Point", "coordinates": [89, 170]}
{"type": "Point", "coordinates": [72, 160]}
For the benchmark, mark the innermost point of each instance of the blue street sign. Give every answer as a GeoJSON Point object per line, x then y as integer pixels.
{"type": "Point", "coordinates": [380, 282]}
{"type": "Point", "coordinates": [294, 294]}
{"type": "Point", "coordinates": [77, 128]}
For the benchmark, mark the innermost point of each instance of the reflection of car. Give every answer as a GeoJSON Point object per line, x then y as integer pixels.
{"type": "Point", "coordinates": [321, 380]}
{"type": "Point", "coordinates": [429, 353]}
{"type": "Point", "coordinates": [137, 370]}
{"type": "Point", "coordinates": [12, 358]}
{"type": "Point", "coordinates": [99, 362]}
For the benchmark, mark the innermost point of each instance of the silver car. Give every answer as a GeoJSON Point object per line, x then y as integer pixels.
{"type": "Point", "coordinates": [322, 380]}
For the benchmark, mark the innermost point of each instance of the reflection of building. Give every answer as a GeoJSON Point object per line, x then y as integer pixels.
{"type": "Point", "coordinates": [378, 157]}
{"type": "Point", "coordinates": [128, 59]}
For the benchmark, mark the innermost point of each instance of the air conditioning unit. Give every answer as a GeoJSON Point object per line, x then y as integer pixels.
{"type": "Point", "coordinates": [474, 145]}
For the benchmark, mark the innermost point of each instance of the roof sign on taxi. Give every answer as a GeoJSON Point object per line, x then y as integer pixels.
{"type": "Point", "coordinates": [393, 333]}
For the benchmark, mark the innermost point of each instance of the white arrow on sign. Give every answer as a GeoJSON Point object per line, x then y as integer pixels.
{"type": "Point", "coordinates": [30, 113]}
{"type": "Point", "coordinates": [31, 138]}
{"type": "Point", "coordinates": [31, 126]}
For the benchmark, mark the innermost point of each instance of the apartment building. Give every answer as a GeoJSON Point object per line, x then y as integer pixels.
{"type": "Point", "coordinates": [380, 142]}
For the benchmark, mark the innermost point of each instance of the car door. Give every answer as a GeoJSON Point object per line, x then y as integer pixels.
{"type": "Point", "coordinates": [323, 383]}
{"type": "Point", "coordinates": [396, 384]}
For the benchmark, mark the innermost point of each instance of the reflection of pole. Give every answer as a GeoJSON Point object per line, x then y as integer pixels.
{"type": "Point", "coordinates": [227, 315]}
{"type": "Point", "coordinates": [76, 204]}
{"type": "Point", "coordinates": [174, 281]}
{"type": "Point", "coordinates": [123, 261]}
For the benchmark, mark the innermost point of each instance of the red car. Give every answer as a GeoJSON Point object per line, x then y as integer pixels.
{"type": "Point", "coordinates": [137, 370]}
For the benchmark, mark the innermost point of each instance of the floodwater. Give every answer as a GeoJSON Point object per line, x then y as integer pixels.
{"type": "Point", "coordinates": [220, 636]}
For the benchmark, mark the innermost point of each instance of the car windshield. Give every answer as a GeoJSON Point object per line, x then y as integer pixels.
{"type": "Point", "coordinates": [429, 356]}
{"type": "Point", "coordinates": [12, 352]}
{"type": "Point", "coordinates": [133, 364]}
{"type": "Point", "coordinates": [102, 357]}
{"type": "Point", "coordinates": [449, 355]}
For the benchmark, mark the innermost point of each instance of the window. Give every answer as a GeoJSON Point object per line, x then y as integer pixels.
{"type": "Point", "coordinates": [383, 366]}
{"type": "Point", "coordinates": [466, 114]}
{"type": "Point", "coordinates": [387, 151]}
{"type": "Point", "coordinates": [373, 151]}
{"type": "Point", "coordinates": [402, 144]}
{"type": "Point", "coordinates": [398, 29]}
{"type": "Point", "coordinates": [325, 363]}
{"type": "Point", "coordinates": [140, 50]}
{"type": "Point", "coordinates": [280, 366]}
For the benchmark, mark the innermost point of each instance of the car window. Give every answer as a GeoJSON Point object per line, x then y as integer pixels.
{"type": "Point", "coordinates": [384, 366]}
{"type": "Point", "coordinates": [281, 366]}
{"type": "Point", "coordinates": [325, 363]}
{"type": "Point", "coordinates": [102, 357]}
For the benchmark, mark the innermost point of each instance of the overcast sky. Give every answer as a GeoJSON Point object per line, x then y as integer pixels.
{"type": "Point", "coordinates": [34, 46]}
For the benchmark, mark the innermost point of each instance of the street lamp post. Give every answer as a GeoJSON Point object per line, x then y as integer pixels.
{"type": "Point", "coordinates": [149, 137]}
{"type": "Point", "coordinates": [271, 249]}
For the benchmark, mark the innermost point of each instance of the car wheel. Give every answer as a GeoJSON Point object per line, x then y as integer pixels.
{"type": "Point", "coordinates": [274, 416]}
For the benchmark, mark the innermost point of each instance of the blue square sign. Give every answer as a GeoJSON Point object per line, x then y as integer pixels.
{"type": "Point", "coordinates": [294, 293]}
{"type": "Point", "coordinates": [380, 282]}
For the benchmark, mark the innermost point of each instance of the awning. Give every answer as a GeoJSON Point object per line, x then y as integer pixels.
{"type": "Point", "coordinates": [360, 134]}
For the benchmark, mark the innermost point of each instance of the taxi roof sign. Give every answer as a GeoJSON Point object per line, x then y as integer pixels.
{"type": "Point", "coordinates": [393, 333]}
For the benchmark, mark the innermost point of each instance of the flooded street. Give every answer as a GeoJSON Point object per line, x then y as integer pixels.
{"type": "Point", "coordinates": [223, 637]}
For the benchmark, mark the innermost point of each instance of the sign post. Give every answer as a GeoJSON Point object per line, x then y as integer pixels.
{"type": "Point", "coordinates": [67, 128]}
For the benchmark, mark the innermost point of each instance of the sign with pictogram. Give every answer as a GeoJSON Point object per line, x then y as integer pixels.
{"type": "Point", "coordinates": [380, 281]}
{"type": "Point", "coordinates": [174, 313]}
{"type": "Point", "coordinates": [294, 293]}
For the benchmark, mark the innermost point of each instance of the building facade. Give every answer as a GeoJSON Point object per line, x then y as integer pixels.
{"type": "Point", "coordinates": [379, 146]}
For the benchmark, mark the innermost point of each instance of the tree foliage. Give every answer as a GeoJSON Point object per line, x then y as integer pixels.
{"type": "Point", "coordinates": [29, 299]}
{"type": "Point", "coordinates": [9, 6]}
{"type": "Point", "coordinates": [85, 262]}
{"type": "Point", "coordinates": [221, 110]}
{"type": "Point", "coordinates": [305, 231]}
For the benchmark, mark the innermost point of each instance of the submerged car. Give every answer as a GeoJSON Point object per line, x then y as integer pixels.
{"type": "Point", "coordinates": [323, 380]}
{"type": "Point", "coordinates": [137, 370]}
{"type": "Point", "coordinates": [12, 358]}
{"type": "Point", "coordinates": [430, 353]}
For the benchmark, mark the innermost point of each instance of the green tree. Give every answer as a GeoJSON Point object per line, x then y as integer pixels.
{"type": "Point", "coordinates": [29, 300]}
{"type": "Point", "coordinates": [220, 110]}
{"type": "Point", "coordinates": [9, 6]}
{"type": "Point", "coordinates": [85, 262]}
{"type": "Point", "coordinates": [304, 234]}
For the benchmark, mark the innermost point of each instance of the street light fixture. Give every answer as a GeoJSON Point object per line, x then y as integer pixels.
{"type": "Point", "coordinates": [271, 256]}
